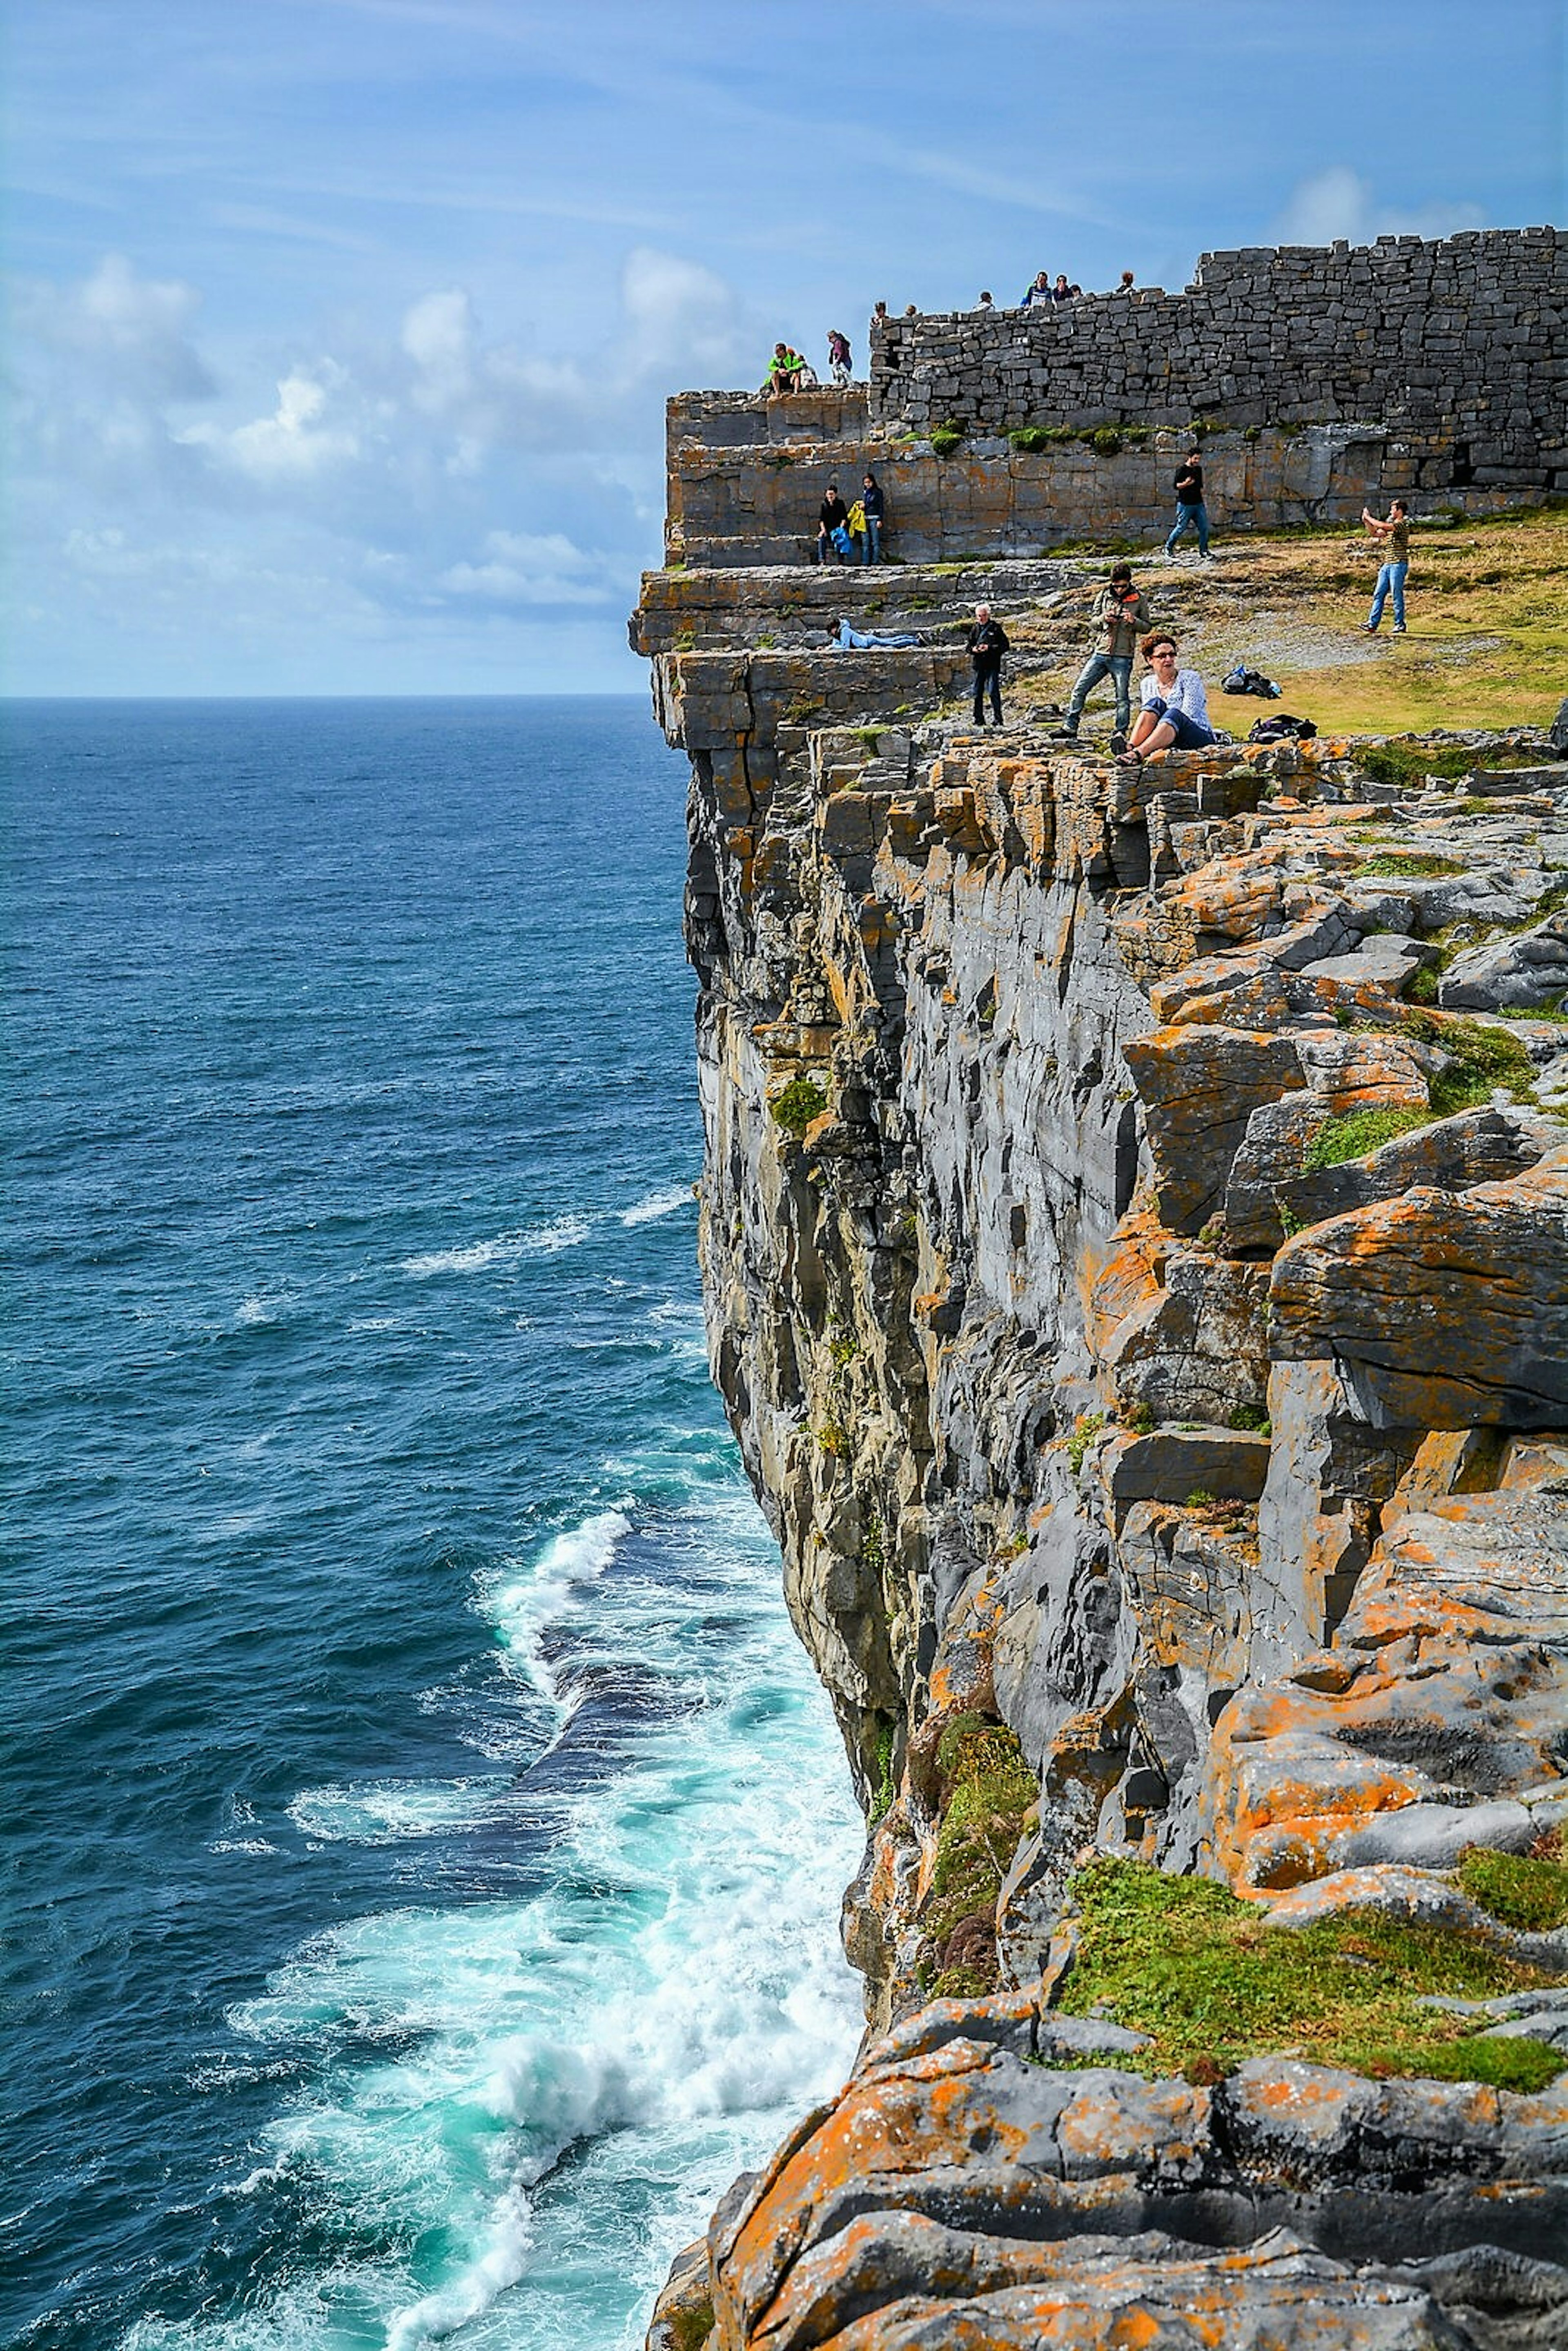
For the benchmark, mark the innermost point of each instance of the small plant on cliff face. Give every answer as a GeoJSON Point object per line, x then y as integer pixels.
{"type": "Point", "coordinates": [1084, 1430]}
{"type": "Point", "coordinates": [948, 436]}
{"type": "Point", "coordinates": [887, 1786]}
{"type": "Point", "coordinates": [1185, 1961]}
{"type": "Point", "coordinates": [1200, 1498]}
{"type": "Point", "coordinates": [1251, 1419]}
{"type": "Point", "coordinates": [801, 1100]}
{"type": "Point", "coordinates": [873, 1546]}
{"type": "Point", "coordinates": [1417, 865]}
{"type": "Point", "coordinates": [834, 1439]}
{"type": "Point", "coordinates": [1140, 1420]}
{"type": "Point", "coordinates": [692, 2328]}
{"type": "Point", "coordinates": [989, 1791]}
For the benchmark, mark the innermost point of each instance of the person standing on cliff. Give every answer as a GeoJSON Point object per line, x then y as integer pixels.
{"type": "Point", "coordinates": [832, 515]}
{"type": "Point", "coordinates": [986, 643]}
{"type": "Point", "coordinates": [873, 504]}
{"type": "Point", "coordinates": [1120, 613]}
{"type": "Point", "coordinates": [838, 357]}
{"type": "Point", "coordinates": [1395, 566]}
{"type": "Point", "coordinates": [1191, 512]}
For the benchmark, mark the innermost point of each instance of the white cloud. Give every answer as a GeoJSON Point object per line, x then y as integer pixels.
{"type": "Point", "coordinates": [290, 445]}
{"type": "Point", "coordinates": [1339, 202]}
{"type": "Point", "coordinates": [532, 568]}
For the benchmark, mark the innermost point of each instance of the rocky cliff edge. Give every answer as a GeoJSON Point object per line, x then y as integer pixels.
{"type": "Point", "coordinates": [1135, 1235]}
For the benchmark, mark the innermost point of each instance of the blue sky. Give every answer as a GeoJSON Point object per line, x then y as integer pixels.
{"type": "Point", "coordinates": [340, 329]}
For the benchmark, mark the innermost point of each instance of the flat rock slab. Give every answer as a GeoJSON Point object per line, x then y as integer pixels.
{"type": "Point", "coordinates": [1228, 1464]}
{"type": "Point", "coordinates": [1445, 1309]}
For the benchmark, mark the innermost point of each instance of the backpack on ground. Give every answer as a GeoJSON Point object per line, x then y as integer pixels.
{"type": "Point", "coordinates": [1250, 681]}
{"type": "Point", "coordinates": [1282, 729]}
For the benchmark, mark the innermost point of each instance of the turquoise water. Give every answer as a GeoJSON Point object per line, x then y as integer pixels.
{"type": "Point", "coordinates": [425, 1835]}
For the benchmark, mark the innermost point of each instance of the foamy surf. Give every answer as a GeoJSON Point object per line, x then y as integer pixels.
{"type": "Point", "coordinates": [562, 1232]}
{"type": "Point", "coordinates": [523, 1609]}
{"type": "Point", "coordinates": [662, 1203]}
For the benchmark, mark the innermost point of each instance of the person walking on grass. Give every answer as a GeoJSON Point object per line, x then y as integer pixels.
{"type": "Point", "coordinates": [1394, 570]}
{"type": "Point", "coordinates": [1191, 513]}
{"type": "Point", "coordinates": [986, 643]}
{"type": "Point", "coordinates": [1174, 711]}
{"type": "Point", "coordinates": [1120, 613]}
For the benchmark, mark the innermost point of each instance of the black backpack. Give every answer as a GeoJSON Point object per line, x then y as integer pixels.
{"type": "Point", "coordinates": [1282, 729]}
{"type": "Point", "coordinates": [1250, 681]}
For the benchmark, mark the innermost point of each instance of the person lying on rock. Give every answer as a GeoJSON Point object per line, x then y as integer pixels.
{"type": "Point", "coordinates": [1175, 713]}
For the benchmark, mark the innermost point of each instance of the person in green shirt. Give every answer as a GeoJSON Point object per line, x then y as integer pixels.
{"type": "Point", "coordinates": [1395, 535]}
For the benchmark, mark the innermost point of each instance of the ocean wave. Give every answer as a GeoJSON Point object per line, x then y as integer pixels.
{"type": "Point", "coordinates": [562, 1232]}
{"type": "Point", "coordinates": [662, 1203]}
{"type": "Point", "coordinates": [386, 1812]}
{"type": "Point", "coordinates": [256, 1313]}
{"type": "Point", "coordinates": [527, 1606]}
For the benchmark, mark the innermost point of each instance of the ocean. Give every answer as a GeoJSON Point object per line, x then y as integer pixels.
{"type": "Point", "coordinates": [424, 1834]}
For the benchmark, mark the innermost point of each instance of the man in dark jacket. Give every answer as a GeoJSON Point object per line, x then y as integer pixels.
{"type": "Point", "coordinates": [986, 643]}
{"type": "Point", "coordinates": [833, 514]}
{"type": "Point", "coordinates": [1191, 512]}
{"type": "Point", "coordinates": [875, 506]}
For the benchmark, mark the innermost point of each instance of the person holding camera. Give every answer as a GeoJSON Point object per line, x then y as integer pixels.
{"type": "Point", "coordinates": [1120, 613]}
{"type": "Point", "coordinates": [1394, 569]}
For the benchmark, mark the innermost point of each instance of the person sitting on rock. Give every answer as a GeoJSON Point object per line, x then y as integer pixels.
{"type": "Point", "coordinates": [833, 517]}
{"type": "Point", "coordinates": [1175, 713]}
{"type": "Point", "coordinates": [786, 370]}
{"type": "Point", "coordinates": [985, 644]}
{"type": "Point", "coordinates": [1120, 613]}
{"type": "Point", "coordinates": [838, 357]}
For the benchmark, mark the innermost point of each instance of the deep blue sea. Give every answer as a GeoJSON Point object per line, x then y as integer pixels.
{"type": "Point", "coordinates": [424, 1836]}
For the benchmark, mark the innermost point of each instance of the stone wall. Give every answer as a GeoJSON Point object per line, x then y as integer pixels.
{"type": "Point", "coordinates": [733, 506]}
{"type": "Point", "coordinates": [1466, 337]}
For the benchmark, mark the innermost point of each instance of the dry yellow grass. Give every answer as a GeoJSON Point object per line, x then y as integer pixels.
{"type": "Point", "coordinates": [1488, 642]}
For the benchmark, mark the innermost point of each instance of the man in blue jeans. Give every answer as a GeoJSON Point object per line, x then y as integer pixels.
{"type": "Point", "coordinates": [1120, 613]}
{"type": "Point", "coordinates": [1191, 512]}
{"type": "Point", "coordinates": [1395, 535]}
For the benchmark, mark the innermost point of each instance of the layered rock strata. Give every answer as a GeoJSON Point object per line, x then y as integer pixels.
{"type": "Point", "coordinates": [1135, 1238]}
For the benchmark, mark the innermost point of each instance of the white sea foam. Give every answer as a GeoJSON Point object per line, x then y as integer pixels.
{"type": "Point", "coordinates": [665, 2007]}
{"type": "Point", "coordinates": [383, 1812]}
{"type": "Point", "coordinates": [253, 1314]}
{"type": "Point", "coordinates": [527, 1606]}
{"type": "Point", "coordinates": [562, 1232]}
{"type": "Point", "coordinates": [662, 1203]}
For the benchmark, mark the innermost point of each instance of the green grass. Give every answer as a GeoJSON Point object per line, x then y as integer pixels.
{"type": "Point", "coordinates": [1528, 1893]}
{"type": "Point", "coordinates": [801, 1100]}
{"type": "Point", "coordinates": [692, 2328]}
{"type": "Point", "coordinates": [1185, 1961]}
{"type": "Point", "coordinates": [1411, 763]}
{"type": "Point", "coordinates": [988, 1789]}
{"type": "Point", "coordinates": [1481, 1059]}
{"type": "Point", "coordinates": [1414, 865]}
{"type": "Point", "coordinates": [1357, 1132]}
{"type": "Point", "coordinates": [1087, 1427]}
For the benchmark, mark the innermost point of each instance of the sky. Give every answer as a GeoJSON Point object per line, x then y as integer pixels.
{"type": "Point", "coordinates": [338, 331]}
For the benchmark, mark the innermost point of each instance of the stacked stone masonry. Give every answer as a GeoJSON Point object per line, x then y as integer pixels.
{"type": "Point", "coordinates": [1320, 378]}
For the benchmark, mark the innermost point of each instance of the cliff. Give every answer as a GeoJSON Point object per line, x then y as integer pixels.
{"type": "Point", "coordinates": [1135, 1235]}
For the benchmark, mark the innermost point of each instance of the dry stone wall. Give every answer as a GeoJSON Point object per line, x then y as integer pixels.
{"type": "Point", "coordinates": [1466, 338]}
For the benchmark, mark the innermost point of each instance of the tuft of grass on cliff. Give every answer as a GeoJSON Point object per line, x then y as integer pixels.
{"type": "Point", "coordinates": [1184, 1960]}
{"type": "Point", "coordinates": [987, 1790]}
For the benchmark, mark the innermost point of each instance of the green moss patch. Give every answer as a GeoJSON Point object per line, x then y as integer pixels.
{"type": "Point", "coordinates": [801, 1100]}
{"type": "Point", "coordinates": [1523, 1892]}
{"type": "Point", "coordinates": [1481, 1059]}
{"type": "Point", "coordinates": [1411, 763]}
{"type": "Point", "coordinates": [1414, 865]}
{"type": "Point", "coordinates": [1185, 1961]}
{"type": "Point", "coordinates": [1357, 1132]}
{"type": "Point", "coordinates": [989, 1791]}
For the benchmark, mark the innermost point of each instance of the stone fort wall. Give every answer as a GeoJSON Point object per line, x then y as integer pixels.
{"type": "Point", "coordinates": [1465, 338]}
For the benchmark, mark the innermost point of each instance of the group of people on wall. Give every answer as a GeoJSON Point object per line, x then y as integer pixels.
{"type": "Point", "coordinates": [789, 370]}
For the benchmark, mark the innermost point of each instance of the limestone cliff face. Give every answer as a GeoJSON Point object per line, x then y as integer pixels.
{"type": "Point", "coordinates": [1143, 1307]}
